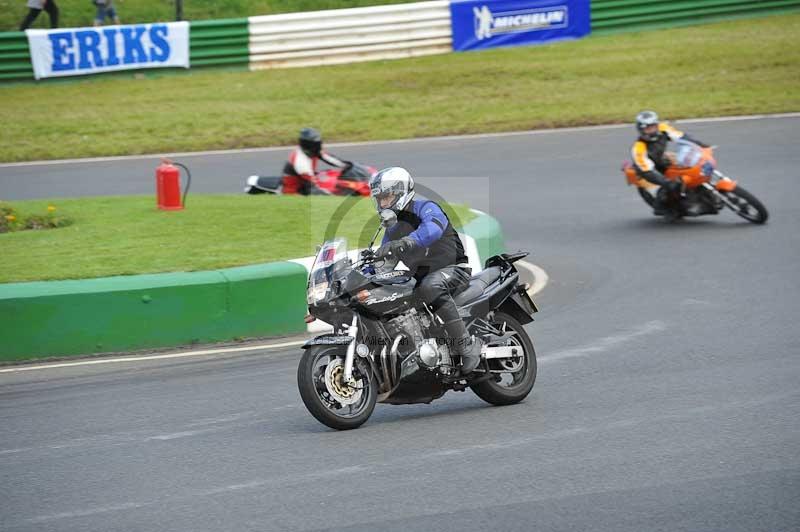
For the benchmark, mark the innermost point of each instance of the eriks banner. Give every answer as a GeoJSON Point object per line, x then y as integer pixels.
{"type": "Point", "coordinates": [78, 51]}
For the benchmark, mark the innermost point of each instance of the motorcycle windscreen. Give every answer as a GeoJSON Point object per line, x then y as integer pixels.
{"type": "Point", "coordinates": [357, 172]}
{"type": "Point", "coordinates": [688, 154]}
{"type": "Point", "coordinates": [329, 264]}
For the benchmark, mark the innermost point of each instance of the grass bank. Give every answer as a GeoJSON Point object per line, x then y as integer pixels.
{"type": "Point", "coordinates": [81, 12]}
{"type": "Point", "coordinates": [745, 66]}
{"type": "Point", "coordinates": [127, 235]}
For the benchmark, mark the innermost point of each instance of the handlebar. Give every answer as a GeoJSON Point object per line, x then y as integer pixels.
{"type": "Point", "coordinates": [369, 258]}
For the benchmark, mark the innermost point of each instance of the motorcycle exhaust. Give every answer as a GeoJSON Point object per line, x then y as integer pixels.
{"type": "Point", "coordinates": [387, 379]}
{"type": "Point", "coordinates": [394, 355]}
{"type": "Point", "coordinates": [506, 351]}
{"type": "Point", "coordinates": [389, 368]}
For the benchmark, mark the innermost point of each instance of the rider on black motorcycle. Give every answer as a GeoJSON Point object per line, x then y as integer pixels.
{"type": "Point", "coordinates": [299, 173]}
{"type": "Point", "coordinates": [651, 159]}
{"type": "Point", "coordinates": [424, 239]}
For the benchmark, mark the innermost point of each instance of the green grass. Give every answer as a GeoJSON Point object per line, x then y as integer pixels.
{"type": "Point", "coordinates": [74, 13]}
{"type": "Point", "coordinates": [745, 66]}
{"type": "Point", "coordinates": [128, 235]}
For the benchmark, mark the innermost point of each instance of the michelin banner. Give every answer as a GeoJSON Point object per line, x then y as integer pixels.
{"type": "Point", "coordinates": [490, 23]}
{"type": "Point", "coordinates": [78, 51]}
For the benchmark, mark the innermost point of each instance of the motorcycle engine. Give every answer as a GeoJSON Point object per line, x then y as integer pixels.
{"type": "Point", "coordinates": [416, 327]}
{"type": "Point", "coordinates": [411, 326]}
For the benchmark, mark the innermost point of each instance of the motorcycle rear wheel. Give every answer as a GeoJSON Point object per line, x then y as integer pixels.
{"type": "Point", "coordinates": [749, 207]}
{"type": "Point", "coordinates": [500, 392]}
{"type": "Point", "coordinates": [315, 380]}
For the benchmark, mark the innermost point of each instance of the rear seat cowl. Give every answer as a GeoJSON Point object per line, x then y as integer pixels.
{"type": "Point", "coordinates": [477, 285]}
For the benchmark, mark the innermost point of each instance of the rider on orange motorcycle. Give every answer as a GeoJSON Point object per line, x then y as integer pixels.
{"type": "Point", "coordinates": [651, 159]}
{"type": "Point", "coordinates": [299, 173]}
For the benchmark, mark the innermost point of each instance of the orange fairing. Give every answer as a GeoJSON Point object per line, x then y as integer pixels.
{"type": "Point", "coordinates": [692, 176]}
{"type": "Point", "coordinates": [630, 173]}
{"type": "Point", "coordinates": [726, 185]}
{"type": "Point", "coordinates": [633, 178]}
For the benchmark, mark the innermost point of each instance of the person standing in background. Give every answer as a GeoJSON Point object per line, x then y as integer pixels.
{"type": "Point", "coordinates": [35, 7]}
{"type": "Point", "coordinates": [105, 8]}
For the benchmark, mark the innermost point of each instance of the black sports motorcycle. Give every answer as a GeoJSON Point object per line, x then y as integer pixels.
{"type": "Point", "coordinates": [389, 347]}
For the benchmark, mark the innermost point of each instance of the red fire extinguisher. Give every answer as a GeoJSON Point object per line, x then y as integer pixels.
{"type": "Point", "coordinates": [168, 186]}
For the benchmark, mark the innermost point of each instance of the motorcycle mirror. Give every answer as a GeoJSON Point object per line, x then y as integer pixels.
{"type": "Point", "coordinates": [388, 218]}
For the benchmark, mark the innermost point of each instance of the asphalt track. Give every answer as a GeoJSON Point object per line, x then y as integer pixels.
{"type": "Point", "coordinates": [667, 396]}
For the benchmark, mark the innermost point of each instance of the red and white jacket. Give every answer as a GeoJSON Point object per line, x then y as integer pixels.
{"type": "Point", "coordinates": [300, 171]}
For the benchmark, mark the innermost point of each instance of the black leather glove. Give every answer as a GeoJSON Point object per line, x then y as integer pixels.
{"type": "Point", "coordinates": [395, 248]}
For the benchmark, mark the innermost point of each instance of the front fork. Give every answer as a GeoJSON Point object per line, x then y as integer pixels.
{"type": "Point", "coordinates": [352, 332]}
{"type": "Point", "coordinates": [723, 184]}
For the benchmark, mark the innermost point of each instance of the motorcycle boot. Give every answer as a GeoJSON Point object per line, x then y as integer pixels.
{"type": "Point", "coordinates": [464, 345]}
{"type": "Point", "coordinates": [436, 289]}
{"type": "Point", "coordinates": [661, 202]}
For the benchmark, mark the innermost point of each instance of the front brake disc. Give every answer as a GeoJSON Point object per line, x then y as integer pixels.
{"type": "Point", "coordinates": [341, 392]}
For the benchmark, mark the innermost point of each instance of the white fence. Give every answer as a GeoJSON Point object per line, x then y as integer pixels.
{"type": "Point", "coordinates": [350, 35]}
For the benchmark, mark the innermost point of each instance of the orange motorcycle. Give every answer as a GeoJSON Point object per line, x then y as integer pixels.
{"type": "Point", "coordinates": [705, 189]}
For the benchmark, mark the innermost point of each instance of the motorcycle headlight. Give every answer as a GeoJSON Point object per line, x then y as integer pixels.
{"type": "Point", "coordinates": [317, 293]}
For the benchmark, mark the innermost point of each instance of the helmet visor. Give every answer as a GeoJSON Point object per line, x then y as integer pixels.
{"type": "Point", "coordinates": [311, 147]}
{"type": "Point", "coordinates": [387, 194]}
{"type": "Point", "coordinates": [650, 129]}
{"type": "Point", "coordinates": [385, 199]}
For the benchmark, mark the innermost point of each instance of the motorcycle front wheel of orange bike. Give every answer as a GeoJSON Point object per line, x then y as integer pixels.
{"type": "Point", "coordinates": [746, 205]}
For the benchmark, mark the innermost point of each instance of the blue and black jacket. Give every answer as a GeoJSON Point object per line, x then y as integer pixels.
{"type": "Point", "coordinates": [438, 244]}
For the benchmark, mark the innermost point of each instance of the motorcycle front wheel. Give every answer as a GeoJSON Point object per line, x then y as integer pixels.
{"type": "Point", "coordinates": [327, 397]}
{"type": "Point", "coordinates": [513, 378]}
{"type": "Point", "coordinates": [746, 205]}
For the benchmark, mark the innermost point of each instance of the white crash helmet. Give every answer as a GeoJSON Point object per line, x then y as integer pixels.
{"type": "Point", "coordinates": [392, 188]}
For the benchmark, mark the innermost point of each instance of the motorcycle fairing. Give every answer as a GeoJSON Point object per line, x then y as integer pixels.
{"type": "Point", "coordinates": [393, 277]}
{"type": "Point", "coordinates": [497, 287]}
{"type": "Point", "coordinates": [421, 387]}
{"type": "Point", "coordinates": [264, 184]}
{"type": "Point", "coordinates": [328, 339]}
{"type": "Point", "coordinates": [495, 296]}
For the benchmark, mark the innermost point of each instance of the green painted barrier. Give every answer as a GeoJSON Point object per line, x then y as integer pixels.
{"type": "Point", "coordinates": [612, 16]}
{"type": "Point", "coordinates": [488, 236]}
{"type": "Point", "coordinates": [113, 314]}
{"type": "Point", "coordinates": [219, 42]}
{"type": "Point", "coordinates": [15, 57]}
